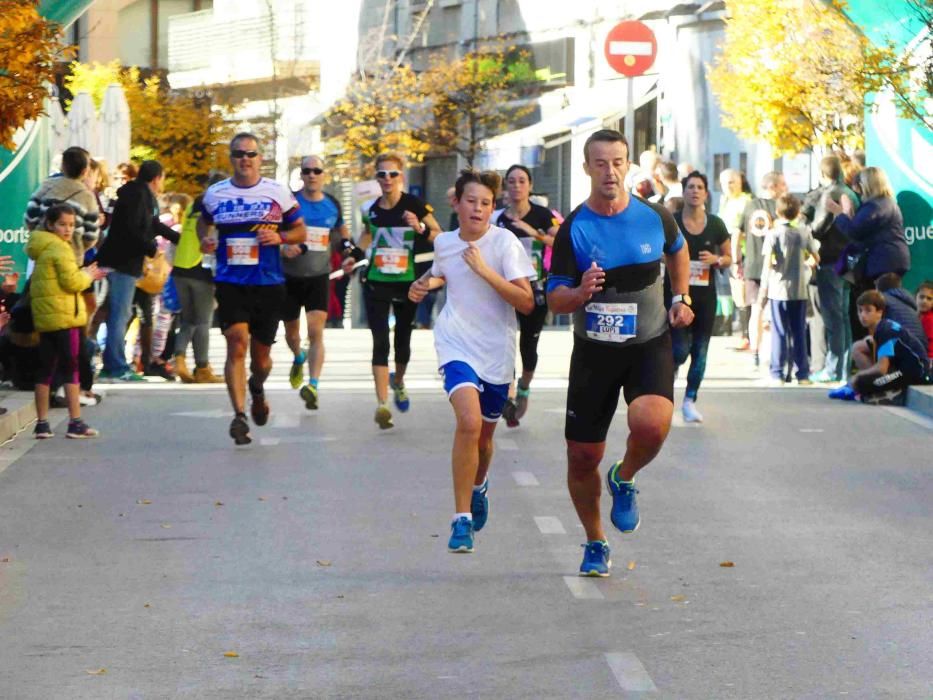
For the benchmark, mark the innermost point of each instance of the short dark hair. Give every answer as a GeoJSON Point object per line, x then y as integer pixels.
{"type": "Point", "coordinates": [889, 280]}
{"type": "Point", "coordinates": [525, 170]}
{"type": "Point", "coordinates": [787, 207]}
{"type": "Point", "coordinates": [486, 178]}
{"type": "Point", "coordinates": [872, 297]}
{"type": "Point", "coordinates": [669, 170]}
{"type": "Point", "coordinates": [606, 135]}
{"type": "Point", "coordinates": [149, 171]}
{"type": "Point", "coordinates": [926, 284]}
{"type": "Point", "coordinates": [831, 168]}
{"type": "Point", "coordinates": [55, 212]}
{"type": "Point", "coordinates": [243, 135]}
{"type": "Point", "coordinates": [74, 161]}
{"type": "Point", "coordinates": [697, 175]}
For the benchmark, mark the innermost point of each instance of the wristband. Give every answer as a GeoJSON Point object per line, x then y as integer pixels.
{"type": "Point", "coordinates": [349, 248]}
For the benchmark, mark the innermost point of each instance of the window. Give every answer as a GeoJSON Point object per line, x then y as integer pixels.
{"type": "Point", "coordinates": [720, 163]}
{"type": "Point", "coordinates": [743, 163]}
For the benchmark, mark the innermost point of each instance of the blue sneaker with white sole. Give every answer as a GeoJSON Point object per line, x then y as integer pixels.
{"type": "Point", "coordinates": [596, 561]}
{"type": "Point", "coordinates": [479, 506]}
{"type": "Point", "coordinates": [402, 402]}
{"type": "Point", "coordinates": [624, 514]}
{"type": "Point", "coordinates": [461, 536]}
{"type": "Point", "coordinates": [842, 393]}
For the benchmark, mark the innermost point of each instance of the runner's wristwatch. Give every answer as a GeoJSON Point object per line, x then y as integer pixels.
{"type": "Point", "coordinates": [682, 299]}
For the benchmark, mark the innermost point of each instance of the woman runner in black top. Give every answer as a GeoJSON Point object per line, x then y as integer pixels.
{"type": "Point", "coordinates": [535, 227]}
{"type": "Point", "coordinates": [708, 242]}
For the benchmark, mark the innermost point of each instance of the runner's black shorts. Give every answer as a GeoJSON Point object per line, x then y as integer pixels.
{"type": "Point", "coordinates": [599, 372]}
{"type": "Point", "coordinates": [259, 306]}
{"type": "Point", "coordinates": [312, 293]}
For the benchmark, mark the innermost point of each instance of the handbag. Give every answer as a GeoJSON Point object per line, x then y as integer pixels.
{"type": "Point", "coordinates": [155, 273]}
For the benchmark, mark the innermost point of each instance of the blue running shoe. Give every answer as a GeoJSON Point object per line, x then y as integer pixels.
{"type": "Point", "coordinates": [402, 403]}
{"type": "Point", "coordinates": [479, 507]}
{"type": "Point", "coordinates": [624, 514]}
{"type": "Point", "coordinates": [843, 393]}
{"type": "Point", "coordinates": [461, 536]}
{"type": "Point", "coordinates": [596, 561]}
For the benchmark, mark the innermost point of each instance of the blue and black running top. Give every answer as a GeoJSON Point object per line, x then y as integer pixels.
{"type": "Point", "coordinates": [906, 353]}
{"type": "Point", "coordinates": [238, 213]}
{"type": "Point", "coordinates": [628, 246]}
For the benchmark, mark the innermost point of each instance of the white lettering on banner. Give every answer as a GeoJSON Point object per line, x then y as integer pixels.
{"type": "Point", "coordinates": [14, 235]}
{"type": "Point", "coordinates": [918, 233]}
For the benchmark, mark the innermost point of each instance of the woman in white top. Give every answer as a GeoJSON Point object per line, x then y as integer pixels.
{"type": "Point", "coordinates": [487, 275]}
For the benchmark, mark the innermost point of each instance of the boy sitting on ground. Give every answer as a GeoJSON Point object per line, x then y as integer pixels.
{"type": "Point", "coordinates": [889, 361]}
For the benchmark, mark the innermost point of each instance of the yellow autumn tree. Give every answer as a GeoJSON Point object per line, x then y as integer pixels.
{"type": "Point", "coordinates": [29, 50]}
{"type": "Point", "coordinates": [797, 73]}
{"type": "Point", "coordinates": [475, 97]}
{"type": "Point", "coordinates": [186, 135]}
{"type": "Point", "coordinates": [382, 109]}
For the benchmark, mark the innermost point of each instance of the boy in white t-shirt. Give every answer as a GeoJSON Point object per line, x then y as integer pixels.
{"type": "Point", "coordinates": [487, 275]}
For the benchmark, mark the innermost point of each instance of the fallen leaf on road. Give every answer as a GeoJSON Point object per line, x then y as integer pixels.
{"type": "Point", "coordinates": [678, 598]}
{"type": "Point", "coordinates": [97, 672]}
{"type": "Point", "coordinates": [166, 526]}
{"type": "Point", "coordinates": [231, 655]}
{"type": "Point", "coordinates": [435, 535]}
{"type": "Point", "coordinates": [631, 566]}
{"type": "Point", "coordinates": [218, 503]}
{"type": "Point", "coordinates": [284, 498]}
{"type": "Point", "coordinates": [727, 564]}
{"type": "Point", "coordinates": [143, 502]}
{"type": "Point", "coordinates": [5, 560]}
{"type": "Point", "coordinates": [262, 498]}
{"type": "Point", "coordinates": [147, 605]}
{"type": "Point", "coordinates": [323, 562]}
{"type": "Point", "coordinates": [122, 515]}
{"type": "Point", "coordinates": [340, 596]}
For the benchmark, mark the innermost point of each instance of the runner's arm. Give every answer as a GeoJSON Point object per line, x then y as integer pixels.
{"type": "Point", "coordinates": [432, 228]}
{"type": "Point", "coordinates": [678, 267]}
{"type": "Point", "coordinates": [206, 235]}
{"type": "Point", "coordinates": [426, 283]}
{"type": "Point", "coordinates": [516, 292]}
{"type": "Point", "coordinates": [295, 233]}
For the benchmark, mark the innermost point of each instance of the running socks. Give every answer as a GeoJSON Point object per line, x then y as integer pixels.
{"type": "Point", "coordinates": [479, 489]}
{"type": "Point", "coordinates": [313, 382]}
{"type": "Point", "coordinates": [468, 516]}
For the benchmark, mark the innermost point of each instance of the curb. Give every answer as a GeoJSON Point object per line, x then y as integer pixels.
{"type": "Point", "coordinates": [20, 412]}
{"type": "Point", "coordinates": [920, 400]}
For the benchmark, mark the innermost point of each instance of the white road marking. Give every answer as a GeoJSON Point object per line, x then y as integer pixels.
{"type": "Point", "coordinates": [525, 479]}
{"type": "Point", "coordinates": [212, 413]}
{"type": "Point", "coordinates": [506, 444]}
{"type": "Point", "coordinates": [269, 441]}
{"type": "Point", "coordinates": [630, 673]}
{"type": "Point", "coordinates": [583, 588]}
{"type": "Point", "coordinates": [549, 525]}
{"type": "Point", "coordinates": [285, 420]}
{"type": "Point", "coordinates": [811, 430]}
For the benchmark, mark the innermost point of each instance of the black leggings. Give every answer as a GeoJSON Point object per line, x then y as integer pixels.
{"type": "Point", "coordinates": [530, 331]}
{"type": "Point", "coordinates": [377, 312]}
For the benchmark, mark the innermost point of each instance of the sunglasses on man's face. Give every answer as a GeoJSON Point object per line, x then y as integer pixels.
{"type": "Point", "coordinates": [386, 174]}
{"type": "Point", "coordinates": [244, 154]}
{"type": "Point", "coordinates": [308, 171]}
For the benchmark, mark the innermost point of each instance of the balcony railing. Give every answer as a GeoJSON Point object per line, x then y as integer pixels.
{"type": "Point", "coordinates": [206, 50]}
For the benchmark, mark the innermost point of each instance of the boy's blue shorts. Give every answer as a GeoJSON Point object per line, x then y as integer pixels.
{"type": "Point", "coordinates": [492, 397]}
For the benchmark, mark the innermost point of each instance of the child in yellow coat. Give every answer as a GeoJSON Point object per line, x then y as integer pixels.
{"type": "Point", "coordinates": [59, 315]}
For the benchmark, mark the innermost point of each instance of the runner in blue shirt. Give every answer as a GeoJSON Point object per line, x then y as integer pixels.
{"type": "Point", "coordinates": [253, 216]}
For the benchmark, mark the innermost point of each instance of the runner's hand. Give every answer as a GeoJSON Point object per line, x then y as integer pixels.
{"type": "Point", "coordinates": [6, 263]}
{"type": "Point", "coordinates": [208, 244]}
{"type": "Point", "coordinates": [680, 315]}
{"type": "Point", "coordinates": [527, 228]}
{"type": "Point", "coordinates": [268, 234]}
{"type": "Point", "coordinates": [347, 265]}
{"type": "Point", "coordinates": [418, 290]}
{"type": "Point", "coordinates": [291, 251]}
{"type": "Point", "coordinates": [473, 258]}
{"type": "Point", "coordinates": [592, 282]}
{"type": "Point", "coordinates": [708, 258]}
{"type": "Point", "coordinates": [411, 219]}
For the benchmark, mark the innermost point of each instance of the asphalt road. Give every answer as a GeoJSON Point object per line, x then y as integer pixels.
{"type": "Point", "coordinates": [130, 565]}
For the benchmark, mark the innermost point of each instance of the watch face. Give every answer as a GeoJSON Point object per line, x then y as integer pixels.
{"type": "Point", "coordinates": [688, 300]}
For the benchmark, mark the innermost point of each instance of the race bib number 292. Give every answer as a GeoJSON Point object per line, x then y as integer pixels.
{"type": "Point", "coordinates": [613, 323]}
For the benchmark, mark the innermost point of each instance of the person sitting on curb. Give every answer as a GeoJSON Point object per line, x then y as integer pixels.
{"type": "Point", "coordinates": [889, 361]}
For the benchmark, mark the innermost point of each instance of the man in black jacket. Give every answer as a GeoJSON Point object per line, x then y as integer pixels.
{"type": "Point", "coordinates": [133, 230]}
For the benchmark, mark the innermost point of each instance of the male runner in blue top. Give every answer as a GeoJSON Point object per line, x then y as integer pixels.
{"type": "Point", "coordinates": [606, 271]}
{"type": "Point", "coordinates": [253, 216]}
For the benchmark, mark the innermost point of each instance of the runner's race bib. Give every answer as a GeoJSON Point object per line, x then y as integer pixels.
{"type": "Point", "coordinates": [699, 274]}
{"type": "Point", "coordinates": [242, 251]}
{"type": "Point", "coordinates": [391, 261]}
{"type": "Point", "coordinates": [317, 239]}
{"type": "Point", "coordinates": [613, 323]}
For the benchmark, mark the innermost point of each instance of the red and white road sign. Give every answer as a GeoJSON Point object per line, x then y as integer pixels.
{"type": "Point", "coordinates": [631, 48]}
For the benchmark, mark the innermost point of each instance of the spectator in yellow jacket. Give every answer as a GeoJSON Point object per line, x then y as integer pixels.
{"type": "Point", "coordinates": [59, 315]}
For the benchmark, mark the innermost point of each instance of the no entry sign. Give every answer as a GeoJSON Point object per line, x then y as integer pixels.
{"type": "Point", "coordinates": [631, 48]}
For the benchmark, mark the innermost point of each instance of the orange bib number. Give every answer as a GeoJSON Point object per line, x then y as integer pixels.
{"type": "Point", "coordinates": [699, 274]}
{"type": "Point", "coordinates": [242, 251]}
{"type": "Point", "coordinates": [391, 261]}
{"type": "Point", "coordinates": [318, 239]}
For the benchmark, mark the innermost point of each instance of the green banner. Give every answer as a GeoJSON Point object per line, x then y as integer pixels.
{"type": "Point", "coordinates": [902, 147]}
